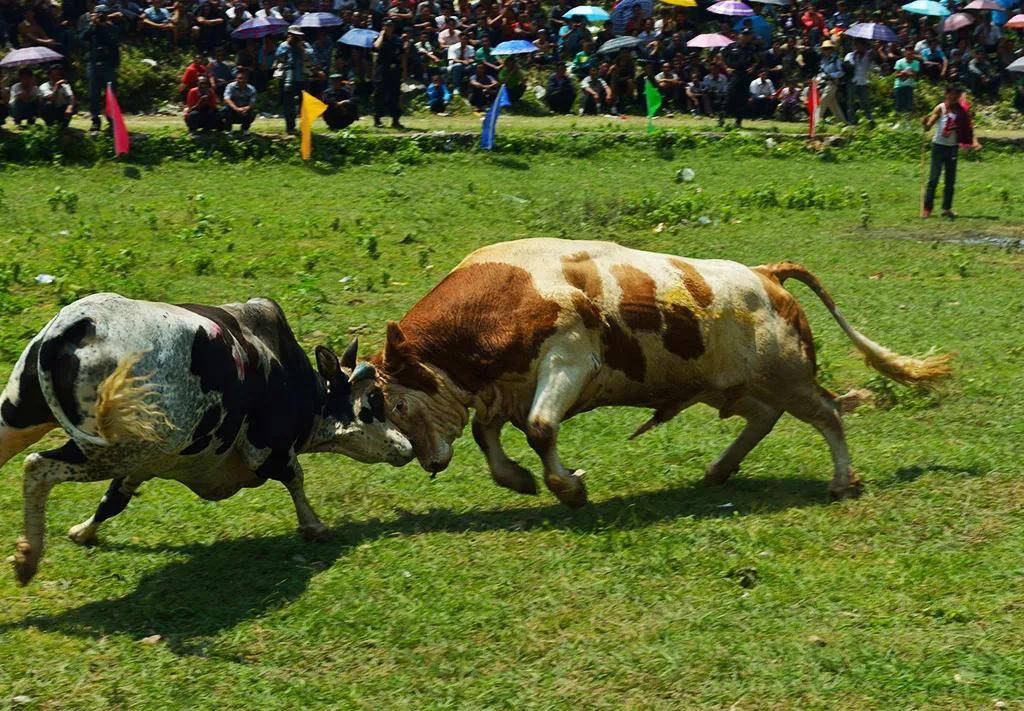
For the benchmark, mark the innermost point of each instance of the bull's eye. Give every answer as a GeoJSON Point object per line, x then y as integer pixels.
{"type": "Point", "coordinates": [401, 408]}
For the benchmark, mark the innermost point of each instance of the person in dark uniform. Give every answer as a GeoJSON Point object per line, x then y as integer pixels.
{"type": "Point", "coordinates": [741, 58]}
{"type": "Point", "coordinates": [102, 41]}
{"type": "Point", "coordinates": [341, 107]}
{"type": "Point", "coordinates": [387, 76]}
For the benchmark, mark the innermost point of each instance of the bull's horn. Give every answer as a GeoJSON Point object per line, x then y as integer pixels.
{"type": "Point", "coordinates": [363, 371]}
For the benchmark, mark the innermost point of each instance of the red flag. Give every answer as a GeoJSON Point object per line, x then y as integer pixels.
{"type": "Point", "coordinates": [812, 107]}
{"type": "Point", "coordinates": [121, 141]}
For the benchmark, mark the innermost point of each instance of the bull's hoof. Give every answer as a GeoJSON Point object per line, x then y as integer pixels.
{"type": "Point", "coordinates": [716, 475]}
{"type": "Point", "coordinates": [315, 533]}
{"type": "Point", "coordinates": [26, 561]}
{"type": "Point", "coordinates": [517, 478]}
{"type": "Point", "coordinates": [84, 534]}
{"type": "Point", "coordinates": [570, 489]}
{"type": "Point", "coordinates": [853, 491]}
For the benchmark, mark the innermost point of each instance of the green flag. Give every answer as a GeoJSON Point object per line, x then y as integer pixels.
{"type": "Point", "coordinates": [653, 99]}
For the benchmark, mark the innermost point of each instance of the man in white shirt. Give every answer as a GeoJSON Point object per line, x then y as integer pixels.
{"type": "Point", "coordinates": [58, 101]}
{"type": "Point", "coordinates": [461, 56]}
{"type": "Point", "coordinates": [596, 94]}
{"type": "Point", "coordinates": [25, 98]}
{"type": "Point", "coordinates": [762, 96]}
{"type": "Point", "coordinates": [858, 64]}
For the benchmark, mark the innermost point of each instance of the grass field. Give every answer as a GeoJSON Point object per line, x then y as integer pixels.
{"type": "Point", "coordinates": [453, 593]}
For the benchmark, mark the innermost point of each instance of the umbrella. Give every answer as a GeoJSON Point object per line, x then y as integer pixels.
{"type": "Point", "coordinates": [1016, 22]}
{"type": "Point", "coordinates": [926, 7]}
{"type": "Point", "coordinates": [591, 12]}
{"type": "Point", "coordinates": [681, 3]}
{"type": "Point", "coordinates": [515, 47]}
{"type": "Point", "coordinates": [731, 8]}
{"type": "Point", "coordinates": [622, 13]}
{"type": "Point", "coordinates": [318, 19]}
{"type": "Point", "coordinates": [872, 31]}
{"type": "Point", "coordinates": [618, 43]}
{"type": "Point", "coordinates": [358, 37]}
{"type": "Point", "coordinates": [957, 22]}
{"type": "Point", "coordinates": [773, 2]}
{"type": "Point", "coordinates": [260, 27]}
{"type": "Point", "coordinates": [1017, 66]}
{"type": "Point", "coordinates": [761, 28]}
{"type": "Point", "coordinates": [30, 55]}
{"type": "Point", "coordinates": [712, 39]}
{"type": "Point", "coordinates": [985, 5]}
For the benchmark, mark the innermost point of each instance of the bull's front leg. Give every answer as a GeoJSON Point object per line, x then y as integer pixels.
{"type": "Point", "coordinates": [310, 526]}
{"type": "Point", "coordinates": [504, 470]}
{"type": "Point", "coordinates": [561, 378]}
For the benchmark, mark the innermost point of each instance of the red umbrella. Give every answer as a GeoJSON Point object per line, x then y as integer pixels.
{"type": "Point", "coordinates": [985, 5]}
{"type": "Point", "coordinates": [1016, 22]}
{"type": "Point", "coordinates": [957, 22]}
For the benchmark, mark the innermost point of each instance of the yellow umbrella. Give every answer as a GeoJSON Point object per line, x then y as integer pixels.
{"type": "Point", "coordinates": [681, 3]}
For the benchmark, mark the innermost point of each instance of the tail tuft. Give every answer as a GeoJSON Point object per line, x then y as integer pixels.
{"type": "Point", "coordinates": [126, 406]}
{"type": "Point", "coordinates": [907, 370]}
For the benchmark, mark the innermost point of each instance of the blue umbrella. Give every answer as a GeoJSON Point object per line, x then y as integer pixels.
{"type": "Point", "coordinates": [515, 47]}
{"type": "Point", "coordinates": [761, 28]}
{"type": "Point", "coordinates": [591, 12]}
{"type": "Point", "coordinates": [358, 37]}
{"type": "Point", "coordinates": [872, 31]}
{"type": "Point", "coordinates": [260, 27]}
{"type": "Point", "coordinates": [926, 7]}
{"type": "Point", "coordinates": [624, 11]}
{"type": "Point", "coordinates": [318, 20]}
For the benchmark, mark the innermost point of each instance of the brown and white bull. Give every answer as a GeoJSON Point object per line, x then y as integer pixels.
{"type": "Point", "coordinates": [535, 331]}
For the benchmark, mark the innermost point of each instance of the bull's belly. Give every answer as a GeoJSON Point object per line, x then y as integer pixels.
{"type": "Point", "coordinates": [611, 388]}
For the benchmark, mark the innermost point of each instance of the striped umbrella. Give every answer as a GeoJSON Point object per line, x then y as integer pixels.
{"type": "Point", "coordinates": [731, 8]}
{"type": "Point", "coordinates": [260, 27]}
{"type": "Point", "coordinates": [872, 31]}
{"type": "Point", "coordinates": [622, 13]}
{"type": "Point", "coordinates": [30, 55]}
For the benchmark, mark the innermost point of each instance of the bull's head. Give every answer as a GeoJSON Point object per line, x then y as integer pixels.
{"type": "Point", "coordinates": [418, 399]}
{"type": "Point", "coordinates": [354, 423]}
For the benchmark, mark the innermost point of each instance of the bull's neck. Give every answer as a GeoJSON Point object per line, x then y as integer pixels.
{"type": "Point", "coordinates": [318, 433]}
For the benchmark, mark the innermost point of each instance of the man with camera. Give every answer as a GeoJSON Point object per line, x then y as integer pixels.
{"type": "Point", "coordinates": [102, 41]}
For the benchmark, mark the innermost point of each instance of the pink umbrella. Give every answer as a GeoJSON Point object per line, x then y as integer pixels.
{"type": "Point", "coordinates": [732, 8]}
{"type": "Point", "coordinates": [985, 5]}
{"type": "Point", "coordinates": [1016, 22]}
{"type": "Point", "coordinates": [957, 22]}
{"type": "Point", "coordinates": [712, 39]}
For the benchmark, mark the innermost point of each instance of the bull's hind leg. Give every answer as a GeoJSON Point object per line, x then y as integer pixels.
{"type": "Point", "coordinates": [504, 471]}
{"type": "Point", "coordinates": [43, 471]}
{"type": "Point", "coordinates": [560, 380]}
{"type": "Point", "coordinates": [113, 502]}
{"type": "Point", "coordinates": [817, 407]}
{"type": "Point", "coordinates": [761, 418]}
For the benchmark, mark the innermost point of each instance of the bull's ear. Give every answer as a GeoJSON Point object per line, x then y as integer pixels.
{"type": "Point", "coordinates": [348, 358]}
{"type": "Point", "coordinates": [328, 365]}
{"type": "Point", "coordinates": [395, 339]}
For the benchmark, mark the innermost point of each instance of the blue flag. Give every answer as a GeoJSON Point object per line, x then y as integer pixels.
{"type": "Point", "coordinates": [491, 119]}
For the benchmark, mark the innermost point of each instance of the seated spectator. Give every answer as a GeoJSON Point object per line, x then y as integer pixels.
{"type": "Point", "coordinates": [1018, 94]}
{"type": "Point", "coordinates": [428, 58]}
{"type": "Point", "coordinates": [460, 62]}
{"type": "Point", "coordinates": [671, 86]}
{"type": "Point", "coordinates": [560, 94]}
{"type": "Point", "coordinates": [239, 102]}
{"type": "Point", "coordinates": [32, 33]}
{"type": "Point", "coordinates": [907, 70]}
{"type": "Point", "coordinates": [237, 14]}
{"type": "Point", "coordinates": [933, 59]}
{"type": "Point", "coordinates": [982, 76]}
{"type": "Point", "coordinates": [789, 101]}
{"type": "Point", "coordinates": [595, 95]}
{"type": "Point", "coordinates": [58, 101]}
{"type": "Point", "coordinates": [342, 109]}
{"type": "Point", "coordinates": [695, 93]}
{"type": "Point", "coordinates": [438, 95]}
{"type": "Point", "coordinates": [584, 60]}
{"type": "Point", "coordinates": [512, 76]}
{"type": "Point", "coordinates": [716, 92]}
{"type": "Point", "coordinates": [484, 55]}
{"type": "Point", "coordinates": [201, 107]}
{"type": "Point", "coordinates": [762, 96]}
{"type": "Point", "coordinates": [482, 88]}
{"type": "Point", "coordinates": [211, 25]}
{"type": "Point", "coordinates": [987, 34]}
{"type": "Point", "coordinates": [190, 79]}
{"type": "Point", "coordinates": [25, 99]}
{"type": "Point", "coordinates": [157, 23]}
{"type": "Point", "coordinates": [220, 72]}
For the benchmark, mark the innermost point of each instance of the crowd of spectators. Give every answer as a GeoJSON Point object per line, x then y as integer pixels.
{"type": "Point", "coordinates": [445, 49]}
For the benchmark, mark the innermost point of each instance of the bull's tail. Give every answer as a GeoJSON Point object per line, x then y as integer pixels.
{"type": "Point", "coordinates": [902, 369]}
{"type": "Point", "coordinates": [126, 407]}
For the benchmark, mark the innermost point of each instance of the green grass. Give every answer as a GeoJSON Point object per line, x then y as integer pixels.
{"type": "Point", "coordinates": [454, 593]}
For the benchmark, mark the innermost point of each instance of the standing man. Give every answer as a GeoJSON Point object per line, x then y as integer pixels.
{"type": "Point", "coordinates": [295, 63]}
{"type": "Point", "coordinates": [387, 76]}
{"type": "Point", "coordinates": [740, 57]}
{"type": "Point", "coordinates": [953, 128]}
{"type": "Point", "coordinates": [829, 74]}
{"type": "Point", "coordinates": [858, 63]}
{"type": "Point", "coordinates": [102, 55]}
{"type": "Point", "coordinates": [907, 70]}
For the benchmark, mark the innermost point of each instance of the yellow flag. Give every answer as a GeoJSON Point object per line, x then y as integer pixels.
{"type": "Point", "coordinates": [312, 107]}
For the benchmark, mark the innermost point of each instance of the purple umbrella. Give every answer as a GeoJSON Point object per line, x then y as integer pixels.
{"type": "Point", "coordinates": [957, 22]}
{"type": "Point", "coordinates": [732, 8]}
{"type": "Point", "coordinates": [872, 31]}
{"type": "Point", "coordinates": [316, 20]}
{"type": "Point", "coordinates": [260, 27]}
{"type": "Point", "coordinates": [30, 55]}
{"type": "Point", "coordinates": [712, 39]}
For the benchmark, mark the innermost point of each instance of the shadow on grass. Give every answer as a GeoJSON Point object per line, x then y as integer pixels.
{"type": "Point", "coordinates": [225, 583]}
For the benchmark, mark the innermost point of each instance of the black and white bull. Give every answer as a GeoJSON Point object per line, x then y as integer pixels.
{"type": "Point", "coordinates": [216, 397]}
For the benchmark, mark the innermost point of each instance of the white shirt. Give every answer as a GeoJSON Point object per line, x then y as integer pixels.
{"type": "Point", "coordinates": [762, 88]}
{"type": "Point", "coordinates": [460, 51]}
{"type": "Point", "coordinates": [64, 95]}
{"type": "Point", "coordinates": [446, 38]}
{"type": "Point", "coordinates": [861, 67]}
{"type": "Point", "coordinates": [33, 93]}
{"type": "Point", "coordinates": [945, 127]}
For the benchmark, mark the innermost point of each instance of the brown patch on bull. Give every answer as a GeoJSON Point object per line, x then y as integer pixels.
{"type": "Point", "coordinates": [699, 289]}
{"type": "Point", "coordinates": [580, 271]}
{"type": "Point", "coordinates": [482, 321]}
{"type": "Point", "coordinates": [589, 314]}
{"type": "Point", "coordinates": [638, 304]}
{"type": "Point", "coordinates": [681, 334]}
{"type": "Point", "coordinates": [623, 352]}
{"type": "Point", "coordinates": [789, 310]}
